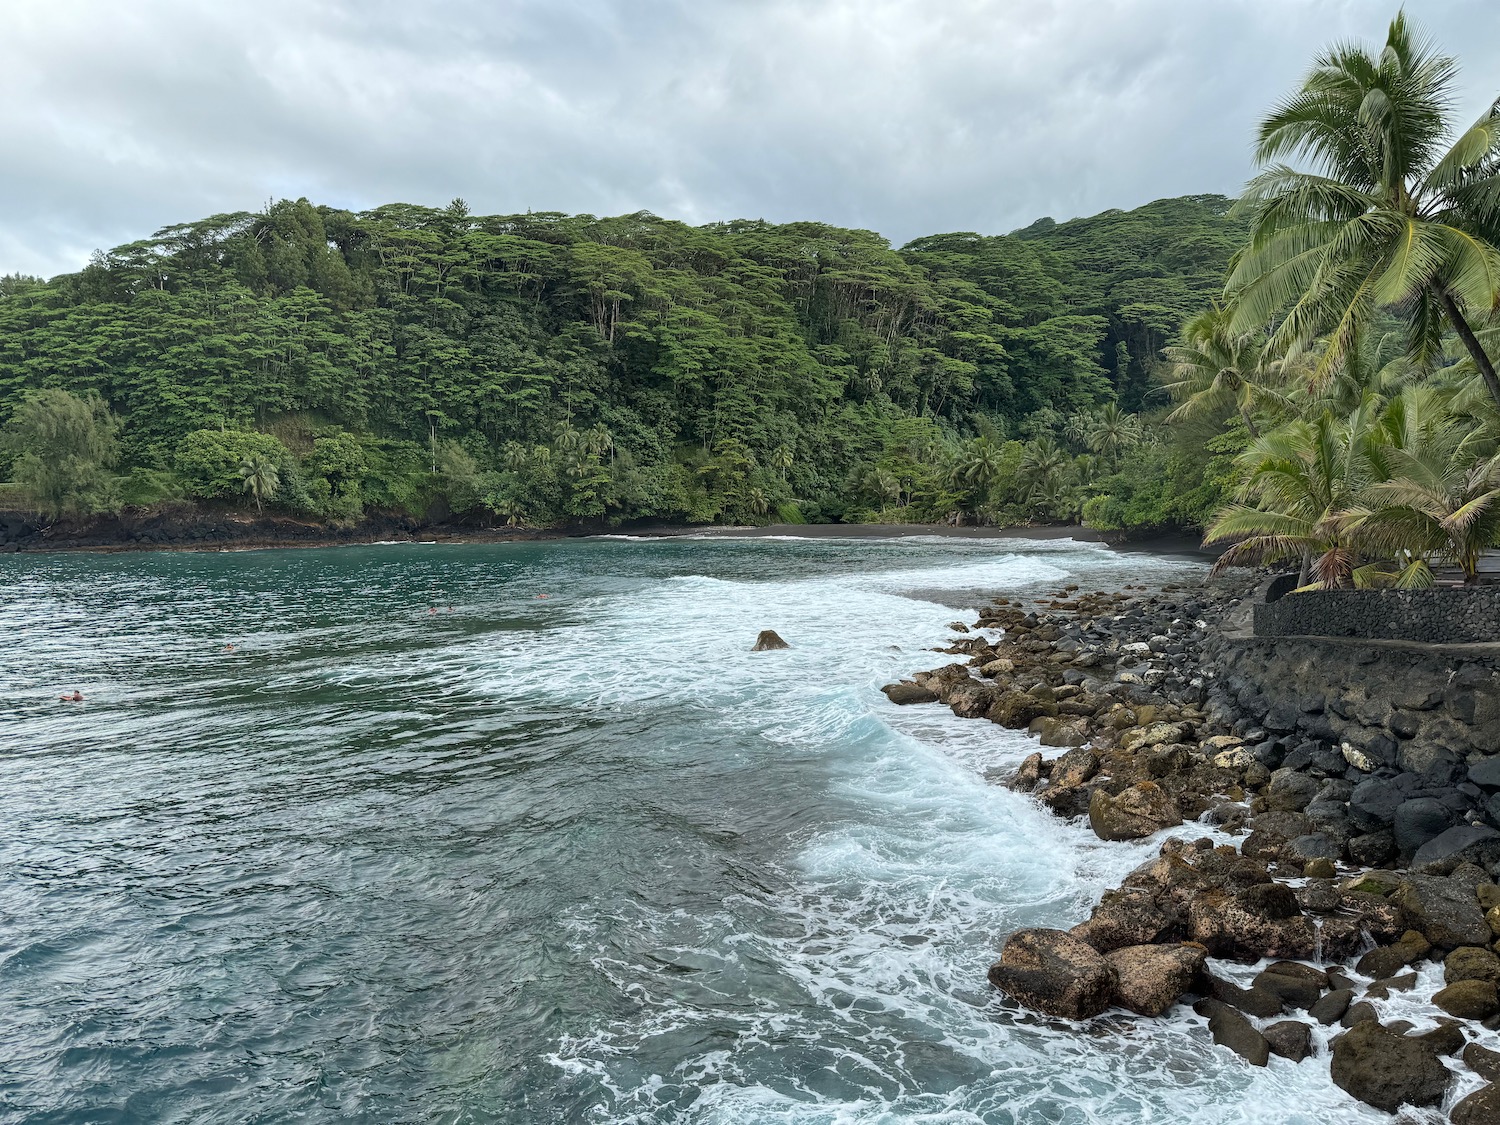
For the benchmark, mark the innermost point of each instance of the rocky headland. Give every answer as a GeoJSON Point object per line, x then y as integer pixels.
{"type": "Point", "coordinates": [1338, 812]}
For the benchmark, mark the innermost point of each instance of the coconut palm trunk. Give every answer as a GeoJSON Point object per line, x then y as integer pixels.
{"type": "Point", "coordinates": [1471, 343]}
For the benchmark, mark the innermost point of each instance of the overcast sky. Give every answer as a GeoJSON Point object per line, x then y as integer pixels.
{"type": "Point", "coordinates": [908, 117]}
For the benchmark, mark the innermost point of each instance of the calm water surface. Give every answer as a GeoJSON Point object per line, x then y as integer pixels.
{"type": "Point", "coordinates": [426, 846]}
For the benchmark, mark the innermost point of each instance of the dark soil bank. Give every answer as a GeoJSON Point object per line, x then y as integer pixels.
{"type": "Point", "coordinates": [196, 529]}
{"type": "Point", "coordinates": [1360, 783]}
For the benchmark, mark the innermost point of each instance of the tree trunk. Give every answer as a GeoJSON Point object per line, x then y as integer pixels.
{"type": "Point", "coordinates": [1249, 425]}
{"type": "Point", "coordinates": [1471, 342]}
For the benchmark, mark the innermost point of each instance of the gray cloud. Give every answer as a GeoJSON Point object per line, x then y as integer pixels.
{"type": "Point", "coordinates": [904, 116]}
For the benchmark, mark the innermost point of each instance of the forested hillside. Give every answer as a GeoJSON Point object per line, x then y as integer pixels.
{"type": "Point", "coordinates": [546, 369]}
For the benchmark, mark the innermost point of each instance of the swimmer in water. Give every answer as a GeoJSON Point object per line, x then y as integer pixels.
{"type": "Point", "coordinates": [76, 697]}
{"type": "Point", "coordinates": [228, 648]}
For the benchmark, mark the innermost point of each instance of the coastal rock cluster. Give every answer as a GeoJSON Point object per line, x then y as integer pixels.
{"type": "Point", "coordinates": [1359, 866]}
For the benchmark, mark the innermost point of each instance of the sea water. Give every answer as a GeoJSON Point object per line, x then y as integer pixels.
{"type": "Point", "coordinates": [526, 833]}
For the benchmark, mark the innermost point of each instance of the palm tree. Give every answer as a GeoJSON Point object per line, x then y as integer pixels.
{"type": "Point", "coordinates": [980, 466]}
{"type": "Point", "coordinates": [782, 458]}
{"type": "Point", "coordinates": [887, 485]}
{"type": "Point", "coordinates": [1436, 498]}
{"type": "Point", "coordinates": [1219, 368]}
{"type": "Point", "coordinates": [600, 441]}
{"type": "Point", "coordinates": [515, 456]}
{"type": "Point", "coordinates": [1300, 483]}
{"type": "Point", "coordinates": [261, 478]}
{"type": "Point", "coordinates": [1111, 431]}
{"type": "Point", "coordinates": [1389, 213]}
{"type": "Point", "coordinates": [1043, 462]}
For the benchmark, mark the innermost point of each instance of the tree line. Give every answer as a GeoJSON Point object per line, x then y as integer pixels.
{"type": "Point", "coordinates": [548, 369]}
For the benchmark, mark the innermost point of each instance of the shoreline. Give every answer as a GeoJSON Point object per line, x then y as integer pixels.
{"type": "Point", "coordinates": [1328, 923]}
{"type": "Point", "coordinates": [124, 534]}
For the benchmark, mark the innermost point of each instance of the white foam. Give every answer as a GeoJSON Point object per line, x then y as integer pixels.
{"type": "Point", "coordinates": [890, 917]}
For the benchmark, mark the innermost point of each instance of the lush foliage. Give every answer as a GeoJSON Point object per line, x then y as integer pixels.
{"type": "Point", "coordinates": [546, 368]}
{"type": "Point", "coordinates": [1373, 469]}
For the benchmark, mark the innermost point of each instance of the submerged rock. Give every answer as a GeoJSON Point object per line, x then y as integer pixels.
{"type": "Point", "coordinates": [769, 640]}
{"type": "Point", "coordinates": [901, 694]}
{"type": "Point", "coordinates": [1387, 1070]}
{"type": "Point", "coordinates": [1291, 1039]}
{"type": "Point", "coordinates": [1054, 973]}
{"type": "Point", "coordinates": [1232, 1030]}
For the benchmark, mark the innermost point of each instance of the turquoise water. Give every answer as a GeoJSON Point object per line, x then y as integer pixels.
{"type": "Point", "coordinates": [426, 846]}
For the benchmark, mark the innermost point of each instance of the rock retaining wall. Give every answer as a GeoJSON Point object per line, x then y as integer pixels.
{"type": "Point", "coordinates": [1411, 708]}
{"type": "Point", "coordinates": [1437, 616]}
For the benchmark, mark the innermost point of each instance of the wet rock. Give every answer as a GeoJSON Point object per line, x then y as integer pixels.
{"type": "Point", "coordinates": [1028, 776]}
{"type": "Point", "coordinates": [1373, 804]}
{"type": "Point", "coordinates": [1482, 1107]}
{"type": "Point", "coordinates": [1253, 1001]}
{"type": "Point", "coordinates": [1486, 773]}
{"type": "Point", "coordinates": [1372, 848]}
{"type": "Point", "coordinates": [1331, 1008]}
{"type": "Point", "coordinates": [1382, 989]}
{"type": "Point", "coordinates": [1319, 868]}
{"type": "Point", "coordinates": [1341, 938]}
{"type": "Point", "coordinates": [1469, 999]}
{"type": "Point", "coordinates": [1016, 710]}
{"type": "Point", "coordinates": [1387, 960]}
{"type": "Point", "coordinates": [1447, 1038]}
{"type": "Point", "coordinates": [1446, 914]}
{"type": "Point", "coordinates": [1060, 732]}
{"type": "Point", "coordinates": [1291, 791]}
{"type": "Point", "coordinates": [1232, 1030]}
{"type": "Point", "coordinates": [1228, 929]}
{"type": "Point", "coordinates": [1359, 1013]}
{"type": "Point", "coordinates": [1296, 986]}
{"type": "Point", "coordinates": [1075, 767]}
{"type": "Point", "coordinates": [1471, 963]}
{"type": "Point", "coordinates": [1139, 811]}
{"type": "Point", "coordinates": [1386, 1070]}
{"type": "Point", "coordinates": [1270, 900]}
{"type": "Point", "coordinates": [769, 640]}
{"type": "Point", "coordinates": [1483, 1062]}
{"type": "Point", "coordinates": [1151, 978]}
{"type": "Point", "coordinates": [1054, 973]}
{"type": "Point", "coordinates": [902, 694]}
{"type": "Point", "coordinates": [969, 699]}
{"type": "Point", "coordinates": [1291, 1039]}
{"type": "Point", "coordinates": [1315, 845]}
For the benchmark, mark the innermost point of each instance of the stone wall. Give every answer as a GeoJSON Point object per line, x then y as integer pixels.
{"type": "Point", "coordinates": [1400, 707]}
{"type": "Point", "coordinates": [1437, 616]}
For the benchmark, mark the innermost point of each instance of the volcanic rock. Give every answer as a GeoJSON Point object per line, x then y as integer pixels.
{"type": "Point", "coordinates": [1152, 977]}
{"type": "Point", "coordinates": [1386, 1070]}
{"type": "Point", "coordinates": [1054, 973]}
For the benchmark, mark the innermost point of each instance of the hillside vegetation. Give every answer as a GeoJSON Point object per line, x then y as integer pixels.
{"type": "Point", "coordinates": [547, 369]}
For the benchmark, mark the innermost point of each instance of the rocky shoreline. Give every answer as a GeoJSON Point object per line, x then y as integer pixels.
{"type": "Point", "coordinates": [1345, 873]}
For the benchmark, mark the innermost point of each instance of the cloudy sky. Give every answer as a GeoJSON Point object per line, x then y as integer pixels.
{"type": "Point", "coordinates": [904, 116]}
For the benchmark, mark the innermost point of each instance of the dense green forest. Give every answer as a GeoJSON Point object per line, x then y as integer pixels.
{"type": "Point", "coordinates": [547, 369]}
